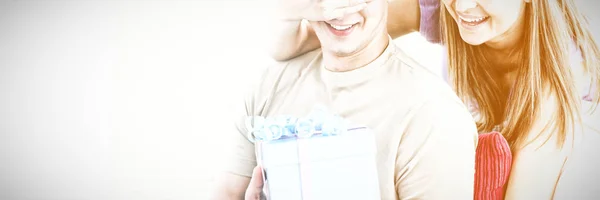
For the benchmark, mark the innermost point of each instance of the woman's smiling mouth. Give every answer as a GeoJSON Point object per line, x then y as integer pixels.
{"type": "Point", "coordinates": [471, 22]}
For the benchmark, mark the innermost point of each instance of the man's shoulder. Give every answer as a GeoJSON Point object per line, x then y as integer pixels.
{"type": "Point", "coordinates": [301, 61]}
{"type": "Point", "coordinates": [420, 81]}
{"type": "Point", "coordinates": [407, 62]}
{"type": "Point", "coordinates": [280, 76]}
{"type": "Point", "coordinates": [292, 68]}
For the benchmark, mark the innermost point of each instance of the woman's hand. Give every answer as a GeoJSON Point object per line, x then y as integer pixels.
{"type": "Point", "coordinates": [319, 10]}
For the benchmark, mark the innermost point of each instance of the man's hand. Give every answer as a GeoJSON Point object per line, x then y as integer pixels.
{"type": "Point", "coordinates": [319, 10]}
{"type": "Point", "coordinates": [255, 188]}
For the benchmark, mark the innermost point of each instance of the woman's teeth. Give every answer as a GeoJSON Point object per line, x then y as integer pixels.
{"type": "Point", "coordinates": [340, 28]}
{"type": "Point", "coordinates": [472, 20]}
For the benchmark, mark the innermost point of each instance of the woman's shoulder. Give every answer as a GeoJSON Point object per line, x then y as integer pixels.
{"type": "Point", "coordinates": [583, 80]}
{"type": "Point", "coordinates": [591, 116]}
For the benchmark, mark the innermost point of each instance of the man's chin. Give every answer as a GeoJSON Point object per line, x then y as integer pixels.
{"type": "Point", "coordinates": [343, 52]}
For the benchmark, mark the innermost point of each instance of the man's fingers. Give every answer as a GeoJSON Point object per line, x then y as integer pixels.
{"type": "Point", "coordinates": [256, 185]}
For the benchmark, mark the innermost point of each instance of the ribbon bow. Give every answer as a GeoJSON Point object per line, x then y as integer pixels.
{"type": "Point", "coordinates": [318, 122]}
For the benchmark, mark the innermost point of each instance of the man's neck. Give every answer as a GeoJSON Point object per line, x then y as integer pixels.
{"type": "Point", "coordinates": [359, 59]}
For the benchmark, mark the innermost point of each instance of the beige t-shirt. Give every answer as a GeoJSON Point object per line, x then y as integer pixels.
{"type": "Point", "coordinates": [425, 136]}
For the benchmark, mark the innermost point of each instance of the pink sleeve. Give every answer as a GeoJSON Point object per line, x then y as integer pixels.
{"type": "Point", "coordinates": [430, 20]}
{"type": "Point", "coordinates": [492, 166]}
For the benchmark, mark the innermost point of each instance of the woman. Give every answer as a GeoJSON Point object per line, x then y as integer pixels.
{"type": "Point", "coordinates": [525, 65]}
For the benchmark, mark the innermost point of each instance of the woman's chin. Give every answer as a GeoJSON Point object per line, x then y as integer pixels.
{"type": "Point", "coordinates": [473, 41]}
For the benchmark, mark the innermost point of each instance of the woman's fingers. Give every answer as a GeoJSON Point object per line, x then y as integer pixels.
{"type": "Point", "coordinates": [341, 12]}
{"type": "Point", "coordinates": [333, 4]}
{"type": "Point", "coordinates": [354, 9]}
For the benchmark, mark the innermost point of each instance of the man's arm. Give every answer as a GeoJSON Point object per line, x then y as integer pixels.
{"type": "Point", "coordinates": [238, 155]}
{"type": "Point", "coordinates": [238, 168]}
{"type": "Point", "coordinates": [234, 176]}
{"type": "Point", "coordinates": [229, 186]}
{"type": "Point", "coordinates": [436, 156]}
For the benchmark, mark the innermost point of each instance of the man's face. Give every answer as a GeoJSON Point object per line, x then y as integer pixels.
{"type": "Point", "coordinates": [348, 35]}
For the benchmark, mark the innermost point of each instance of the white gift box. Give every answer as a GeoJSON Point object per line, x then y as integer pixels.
{"type": "Point", "coordinates": [321, 167]}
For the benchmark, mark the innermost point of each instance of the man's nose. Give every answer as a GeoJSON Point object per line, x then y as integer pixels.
{"type": "Point", "coordinates": [464, 5]}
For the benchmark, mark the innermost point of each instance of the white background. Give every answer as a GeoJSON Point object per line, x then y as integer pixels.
{"type": "Point", "coordinates": [124, 100]}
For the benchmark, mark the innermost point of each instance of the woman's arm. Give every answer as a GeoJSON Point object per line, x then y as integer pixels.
{"type": "Point", "coordinates": [404, 17]}
{"type": "Point", "coordinates": [292, 39]}
{"type": "Point", "coordinates": [292, 35]}
{"type": "Point", "coordinates": [295, 37]}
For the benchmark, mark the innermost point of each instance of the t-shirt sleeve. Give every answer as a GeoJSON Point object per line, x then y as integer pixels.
{"type": "Point", "coordinates": [436, 154]}
{"type": "Point", "coordinates": [430, 20]}
{"type": "Point", "coordinates": [240, 158]}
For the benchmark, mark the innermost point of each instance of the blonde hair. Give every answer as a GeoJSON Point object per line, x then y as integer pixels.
{"type": "Point", "coordinates": [550, 27]}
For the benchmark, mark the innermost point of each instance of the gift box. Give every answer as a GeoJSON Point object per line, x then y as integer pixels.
{"type": "Point", "coordinates": [316, 158]}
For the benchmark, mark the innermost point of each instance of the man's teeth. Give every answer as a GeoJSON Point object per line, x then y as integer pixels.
{"type": "Point", "coordinates": [340, 28]}
{"type": "Point", "coordinates": [472, 20]}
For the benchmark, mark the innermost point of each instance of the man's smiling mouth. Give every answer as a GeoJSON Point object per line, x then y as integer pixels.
{"type": "Point", "coordinates": [341, 29]}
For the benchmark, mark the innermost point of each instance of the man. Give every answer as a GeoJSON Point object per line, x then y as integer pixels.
{"type": "Point", "coordinates": [426, 138]}
{"type": "Point", "coordinates": [291, 38]}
